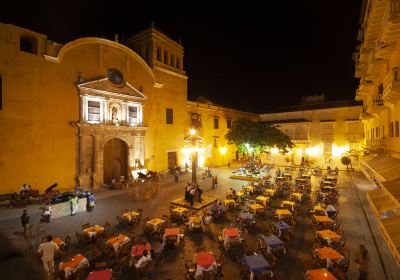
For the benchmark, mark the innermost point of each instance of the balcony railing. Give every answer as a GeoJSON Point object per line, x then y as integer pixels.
{"type": "Point", "coordinates": [383, 50]}
{"type": "Point", "coordinates": [377, 143]}
{"type": "Point", "coordinates": [394, 11]}
{"type": "Point", "coordinates": [354, 137]}
{"type": "Point", "coordinates": [391, 86]}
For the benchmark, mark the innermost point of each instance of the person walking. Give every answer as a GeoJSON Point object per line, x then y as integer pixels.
{"type": "Point", "coordinates": [176, 174]}
{"type": "Point", "coordinates": [25, 222]}
{"type": "Point", "coordinates": [46, 214]}
{"type": "Point", "coordinates": [74, 205]}
{"type": "Point", "coordinates": [362, 260]}
{"type": "Point", "coordinates": [48, 249]}
{"type": "Point", "coordinates": [91, 201]}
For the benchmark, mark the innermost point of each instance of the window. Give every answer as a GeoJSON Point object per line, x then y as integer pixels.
{"type": "Point", "coordinates": [94, 111]}
{"type": "Point", "coordinates": [215, 143]}
{"type": "Point", "coordinates": [216, 123]}
{"type": "Point", "coordinates": [396, 128]}
{"type": "Point", "coordinates": [383, 131]}
{"type": "Point", "coordinates": [228, 123]}
{"type": "Point", "coordinates": [1, 92]}
{"type": "Point", "coordinates": [178, 63]}
{"type": "Point", "coordinates": [172, 60]}
{"type": "Point", "coordinates": [114, 76]}
{"type": "Point", "coordinates": [166, 57]}
{"type": "Point", "coordinates": [133, 115]}
{"type": "Point", "coordinates": [376, 132]}
{"type": "Point", "coordinates": [158, 54]}
{"type": "Point", "coordinates": [391, 132]}
{"type": "Point", "coordinates": [28, 44]}
{"type": "Point", "coordinates": [327, 148]}
{"type": "Point", "coordinates": [169, 116]}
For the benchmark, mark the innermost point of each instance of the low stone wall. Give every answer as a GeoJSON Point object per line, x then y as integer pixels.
{"type": "Point", "coordinates": [64, 209]}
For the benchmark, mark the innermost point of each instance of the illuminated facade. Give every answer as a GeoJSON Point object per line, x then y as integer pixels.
{"type": "Point", "coordinates": [377, 63]}
{"type": "Point", "coordinates": [321, 131]}
{"type": "Point", "coordinates": [91, 110]}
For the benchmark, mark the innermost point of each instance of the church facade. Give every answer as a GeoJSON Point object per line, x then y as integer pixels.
{"type": "Point", "coordinates": [89, 111]}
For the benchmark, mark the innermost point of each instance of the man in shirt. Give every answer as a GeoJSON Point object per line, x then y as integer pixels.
{"type": "Point", "coordinates": [48, 250]}
{"type": "Point", "coordinates": [143, 260]}
{"type": "Point", "coordinates": [74, 205]}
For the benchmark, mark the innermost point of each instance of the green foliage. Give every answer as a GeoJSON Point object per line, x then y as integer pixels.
{"type": "Point", "coordinates": [345, 160]}
{"type": "Point", "coordinates": [257, 137]}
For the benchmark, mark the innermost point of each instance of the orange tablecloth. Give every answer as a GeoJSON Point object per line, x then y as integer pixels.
{"type": "Point", "coordinates": [58, 241]}
{"type": "Point", "coordinates": [171, 231]}
{"type": "Point", "coordinates": [319, 208]}
{"type": "Point", "coordinates": [283, 212]}
{"type": "Point", "coordinates": [323, 219]}
{"type": "Point", "coordinates": [72, 263]}
{"type": "Point", "coordinates": [116, 240]}
{"type": "Point", "coordinates": [320, 274]}
{"type": "Point", "coordinates": [137, 251]}
{"type": "Point", "coordinates": [256, 207]}
{"type": "Point", "coordinates": [270, 191]}
{"type": "Point", "coordinates": [328, 253]}
{"type": "Point", "coordinates": [328, 234]}
{"type": "Point", "coordinates": [231, 232]}
{"type": "Point", "coordinates": [204, 259]}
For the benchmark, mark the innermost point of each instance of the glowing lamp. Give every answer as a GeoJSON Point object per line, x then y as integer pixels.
{"type": "Point", "coordinates": [275, 150]}
{"type": "Point", "coordinates": [222, 150]}
{"type": "Point", "coordinates": [192, 131]}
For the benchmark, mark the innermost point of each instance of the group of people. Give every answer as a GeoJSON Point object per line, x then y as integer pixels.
{"type": "Point", "coordinates": [190, 192]}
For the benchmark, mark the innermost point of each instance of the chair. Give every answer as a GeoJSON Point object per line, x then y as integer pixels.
{"type": "Point", "coordinates": [67, 242]}
{"type": "Point", "coordinates": [199, 249]}
{"type": "Point", "coordinates": [190, 271]}
{"type": "Point", "coordinates": [82, 273]}
{"type": "Point", "coordinates": [85, 226]}
{"type": "Point", "coordinates": [210, 274]}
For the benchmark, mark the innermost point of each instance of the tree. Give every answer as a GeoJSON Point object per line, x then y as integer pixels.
{"type": "Point", "coordinates": [346, 160]}
{"type": "Point", "coordinates": [257, 137]}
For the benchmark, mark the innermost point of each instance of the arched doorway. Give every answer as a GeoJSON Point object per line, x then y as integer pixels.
{"type": "Point", "coordinates": [115, 158]}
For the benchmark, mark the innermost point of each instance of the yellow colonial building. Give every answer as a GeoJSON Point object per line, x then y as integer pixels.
{"type": "Point", "coordinates": [322, 131]}
{"type": "Point", "coordinates": [377, 61]}
{"type": "Point", "coordinates": [91, 110]}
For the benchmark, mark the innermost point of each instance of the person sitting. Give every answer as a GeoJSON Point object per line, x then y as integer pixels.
{"type": "Point", "coordinates": [330, 211]}
{"type": "Point", "coordinates": [46, 214]}
{"type": "Point", "coordinates": [146, 258]}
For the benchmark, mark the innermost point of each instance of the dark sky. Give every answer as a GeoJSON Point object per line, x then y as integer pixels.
{"type": "Point", "coordinates": [250, 55]}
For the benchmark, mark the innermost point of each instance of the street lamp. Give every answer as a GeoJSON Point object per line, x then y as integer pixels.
{"type": "Point", "coordinates": [193, 145]}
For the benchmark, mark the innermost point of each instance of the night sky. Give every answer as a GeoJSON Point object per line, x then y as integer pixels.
{"type": "Point", "coordinates": [250, 55]}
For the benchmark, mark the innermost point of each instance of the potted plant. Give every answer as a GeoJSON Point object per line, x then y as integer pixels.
{"type": "Point", "coordinates": [346, 161]}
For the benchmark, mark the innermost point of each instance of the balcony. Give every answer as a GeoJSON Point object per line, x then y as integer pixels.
{"type": "Point", "coordinates": [377, 143]}
{"type": "Point", "coordinates": [300, 138]}
{"type": "Point", "coordinates": [327, 137]}
{"type": "Point", "coordinates": [383, 50]}
{"type": "Point", "coordinates": [374, 66]}
{"type": "Point", "coordinates": [394, 10]}
{"type": "Point", "coordinates": [354, 137]}
{"type": "Point", "coordinates": [377, 105]}
{"type": "Point", "coordinates": [391, 86]}
{"type": "Point", "coordinates": [364, 116]}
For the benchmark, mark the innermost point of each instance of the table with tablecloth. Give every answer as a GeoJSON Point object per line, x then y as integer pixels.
{"type": "Point", "coordinates": [156, 223]}
{"type": "Point", "coordinates": [71, 266]}
{"type": "Point", "coordinates": [329, 236]}
{"type": "Point", "coordinates": [59, 242]}
{"type": "Point", "coordinates": [93, 231]}
{"type": "Point", "coordinates": [118, 241]}
{"type": "Point", "coordinates": [262, 200]}
{"type": "Point", "coordinates": [137, 250]}
{"type": "Point", "coordinates": [270, 192]}
{"type": "Point", "coordinates": [130, 216]}
{"type": "Point", "coordinates": [291, 204]}
{"type": "Point", "coordinates": [282, 227]}
{"type": "Point", "coordinates": [256, 208]}
{"type": "Point", "coordinates": [231, 235]}
{"type": "Point", "coordinates": [283, 213]}
{"type": "Point", "coordinates": [256, 264]}
{"type": "Point", "coordinates": [273, 243]}
{"type": "Point", "coordinates": [330, 255]}
{"type": "Point", "coordinates": [318, 274]}
{"type": "Point", "coordinates": [205, 261]}
{"type": "Point", "coordinates": [100, 275]}
{"type": "Point", "coordinates": [180, 211]}
{"type": "Point", "coordinates": [173, 233]}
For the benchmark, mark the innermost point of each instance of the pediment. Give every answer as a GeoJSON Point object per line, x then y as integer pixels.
{"type": "Point", "coordinates": [105, 87]}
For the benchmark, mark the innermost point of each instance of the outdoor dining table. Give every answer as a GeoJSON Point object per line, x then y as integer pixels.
{"type": "Point", "coordinates": [318, 274]}
{"type": "Point", "coordinates": [273, 242]}
{"type": "Point", "coordinates": [256, 263]}
{"type": "Point", "coordinates": [323, 219]}
{"type": "Point", "coordinates": [100, 275]}
{"type": "Point", "coordinates": [71, 266]}
{"type": "Point", "coordinates": [249, 189]}
{"type": "Point", "coordinates": [156, 223]}
{"type": "Point", "coordinates": [292, 204]}
{"type": "Point", "coordinates": [256, 207]}
{"type": "Point", "coordinates": [270, 192]}
{"type": "Point", "coordinates": [282, 227]}
{"type": "Point", "coordinates": [205, 261]}
{"type": "Point", "coordinates": [137, 251]}
{"type": "Point", "coordinates": [118, 241]}
{"type": "Point", "coordinates": [93, 231]}
{"type": "Point", "coordinates": [246, 216]}
{"type": "Point", "coordinates": [180, 210]}
{"type": "Point", "coordinates": [328, 253]}
{"type": "Point", "coordinates": [319, 209]}
{"type": "Point", "coordinates": [59, 242]}
{"type": "Point", "coordinates": [262, 200]}
{"type": "Point", "coordinates": [229, 202]}
{"type": "Point", "coordinates": [129, 216]}
{"type": "Point", "coordinates": [297, 196]}
{"type": "Point", "coordinates": [282, 213]}
{"type": "Point", "coordinates": [329, 236]}
{"type": "Point", "coordinates": [172, 233]}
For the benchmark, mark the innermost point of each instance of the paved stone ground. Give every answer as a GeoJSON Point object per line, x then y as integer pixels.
{"type": "Point", "coordinates": [155, 198]}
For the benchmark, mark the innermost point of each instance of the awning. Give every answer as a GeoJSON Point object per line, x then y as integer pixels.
{"type": "Point", "coordinates": [385, 168]}
{"type": "Point", "coordinates": [381, 201]}
{"type": "Point", "coordinates": [393, 187]}
{"type": "Point", "coordinates": [391, 229]}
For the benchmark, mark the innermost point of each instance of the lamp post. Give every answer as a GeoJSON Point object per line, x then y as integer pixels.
{"type": "Point", "coordinates": [193, 142]}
